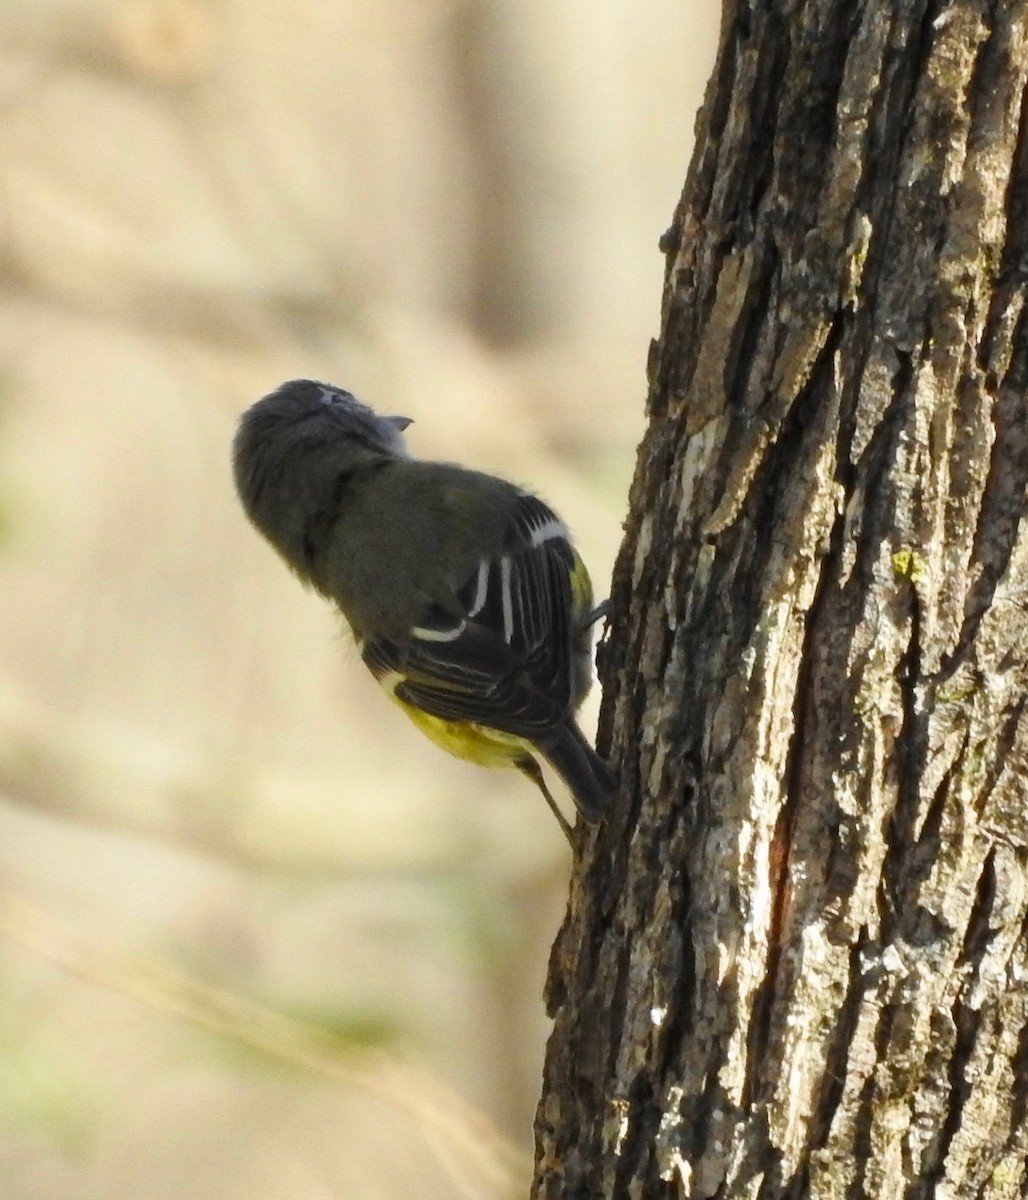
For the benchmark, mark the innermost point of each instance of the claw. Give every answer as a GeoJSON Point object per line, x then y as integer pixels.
{"type": "Point", "coordinates": [603, 611]}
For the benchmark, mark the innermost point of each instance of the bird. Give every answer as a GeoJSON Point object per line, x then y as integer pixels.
{"type": "Point", "coordinates": [465, 595]}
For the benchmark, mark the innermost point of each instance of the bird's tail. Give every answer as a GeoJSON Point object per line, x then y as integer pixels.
{"type": "Point", "coordinates": [588, 778]}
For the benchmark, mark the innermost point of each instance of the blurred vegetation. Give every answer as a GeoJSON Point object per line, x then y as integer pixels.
{"type": "Point", "coordinates": [212, 828]}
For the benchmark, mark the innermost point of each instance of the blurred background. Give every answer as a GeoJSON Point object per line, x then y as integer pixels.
{"type": "Point", "coordinates": [259, 938]}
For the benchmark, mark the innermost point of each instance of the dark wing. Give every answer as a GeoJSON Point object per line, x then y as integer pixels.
{"type": "Point", "coordinates": [504, 660]}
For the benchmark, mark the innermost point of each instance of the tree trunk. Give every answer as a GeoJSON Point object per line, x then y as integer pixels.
{"type": "Point", "coordinates": [795, 961]}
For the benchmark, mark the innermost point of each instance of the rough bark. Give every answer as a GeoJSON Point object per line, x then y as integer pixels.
{"type": "Point", "coordinates": [795, 961]}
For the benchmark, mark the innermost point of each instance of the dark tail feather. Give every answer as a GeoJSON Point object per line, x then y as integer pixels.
{"type": "Point", "coordinates": [589, 780]}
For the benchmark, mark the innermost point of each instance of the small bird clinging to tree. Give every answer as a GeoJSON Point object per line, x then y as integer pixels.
{"type": "Point", "coordinates": [467, 600]}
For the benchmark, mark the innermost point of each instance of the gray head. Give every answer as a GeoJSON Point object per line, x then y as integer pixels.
{"type": "Point", "coordinates": [308, 410]}
{"type": "Point", "coordinates": [294, 452]}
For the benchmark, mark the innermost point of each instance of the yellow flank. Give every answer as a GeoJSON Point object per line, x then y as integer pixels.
{"type": "Point", "coordinates": [476, 743]}
{"type": "Point", "coordinates": [581, 587]}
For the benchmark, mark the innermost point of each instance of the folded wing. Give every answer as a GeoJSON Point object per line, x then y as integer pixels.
{"type": "Point", "coordinates": [502, 656]}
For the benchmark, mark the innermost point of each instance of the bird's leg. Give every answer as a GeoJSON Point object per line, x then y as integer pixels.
{"type": "Point", "coordinates": [601, 611]}
{"type": "Point", "coordinates": [528, 766]}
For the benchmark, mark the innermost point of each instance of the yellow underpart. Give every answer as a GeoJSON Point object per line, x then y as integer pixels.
{"type": "Point", "coordinates": [475, 743]}
{"type": "Point", "coordinates": [478, 743]}
{"type": "Point", "coordinates": [581, 588]}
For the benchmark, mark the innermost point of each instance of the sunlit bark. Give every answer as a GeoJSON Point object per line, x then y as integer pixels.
{"type": "Point", "coordinates": [795, 961]}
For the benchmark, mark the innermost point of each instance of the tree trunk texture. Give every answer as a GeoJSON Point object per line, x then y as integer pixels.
{"type": "Point", "coordinates": [795, 960]}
